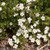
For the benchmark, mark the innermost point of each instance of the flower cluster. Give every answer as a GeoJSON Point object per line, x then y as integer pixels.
{"type": "Point", "coordinates": [30, 27]}
{"type": "Point", "coordinates": [31, 31]}
{"type": "Point", "coordinates": [27, 20]}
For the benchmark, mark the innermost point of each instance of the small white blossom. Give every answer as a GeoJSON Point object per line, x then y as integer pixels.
{"type": "Point", "coordinates": [23, 19]}
{"type": "Point", "coordinates": [39, 36]}
{"type": "Point", "coordinates": [34, 0]}
{"type": "Point", "coordinates": [25, 31]}
{"type": "Point", "coordinates": [18, 34]}
{"type": "Point", "coordinates": [17, 6]}
{"type": "Point", "coordinates": [43, 18]}
{"type": "Point", "coordinates": [45, 31]}
{"type": "Point", "coordinates": [23, 27]}
{"type": "Point", "coordinates": [10, 42]}
{"type": "Point", "coordinates": [11, 23]}
{"type": "Point", "coordinates": [15, 46]}
{"type": "Point", "coordinates": [32, 40]}
{"type": "Point", "coordinates": [3, 4]}
{"type": "Point", "coordinates": [0, 8]}
{"type": "Point", "coordinates": [34, 31]}
{"type": "Point", "coordinates": [22, 13]}
{"type": "Point", "coordinates": [16, 14]}
{"type": "Point", "coordinates": [31, 26]}
{"type": "Point", "coordinates": [30, 37]}
{"type": "Point", "coordinates": [29, 19]}
{"type": "Point", "coordinates": [46, 28]}
{"type": "Point", "coordinates": [37, 22]}
{"type": "Point", "coordinates": [28, 8]}
{"type": "Point", "coordinates": [21, 6]}
{"type": "Point", "coordinates": [38, 30]}
{"type": "Point", "coordinates": [43, 36]}
{"type": "Point", "coordinates": [14, 8]}
{"type": "Point", "coordinates": [17, 41]}
{"type": "Point", "coordinates": [37, 14]}
{"type": "Point", "coordinates": [38, 41]}
{"type": "Point", "coordinates": [34, 24]}
{"type": "Point", "coordinates": [14, 37]}
{"type": "Point", "coordinates": [26, 35]}
{"type": "Point", "coordinates": [20, 23]}
{"type": "Point", "coordinates": [29, 30]}
{"type": "Point", "coordinates": [27, 1]}
{"type": "Point", "coordinates": [45, 39]}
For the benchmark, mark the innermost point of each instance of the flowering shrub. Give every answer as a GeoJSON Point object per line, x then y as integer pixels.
{"type": "Point", "coordinates": [28, 20]}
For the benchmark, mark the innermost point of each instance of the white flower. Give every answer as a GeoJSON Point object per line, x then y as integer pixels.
{"type": "Point", "coordinates": [44, 36]}
{"type": "Point", "coordinates": [11, 23]}
{"type": "Point", "coordinates": [31, 26]}
{"type": "Point", "coordinates": [34, 31]}
{"type": "Point", "coordinates": [14, 37]}
{"type": "Point", "coordinates": [37, 14]}
{"type": "Point", "coordinates": [25, 31]}
{"type": "Point", "coordinates": [9, 40]}
{"type": "Point", "coordinates": [34, 24]}
{"type": "Point", "coordinates": [43, 18]}
{"type": "Point", "coordinates": [45, 31]}
{"type": "Point", "coordinates": [18, 34]}
{"type": "Point", "coordinates": [28, 1]}
{"type": "Point", "coordinates": [38, 30]}
{"type": "Point", "coordinates": [38, 41]}
{"type": "Point", "coordinates": [46, 28]}
{"type": "Point", "coordinates": [28, 7]}
{"type": "Point", "coordinates": [37, 22]}
{"type": "Point", "coordinates": [30, 37]}
{"type": "Point", "coordinates": [21, 6]}
{"type": "Point", "coordinates": [32, 40]}
{"type": "Point", "coordinates": [0, 30]}
{"type": "Point", "coordinates": [15, 46]}
{"type": "Point", "coordinates": [3, 4]}
{"type": "Point", "coordinates": [23, 19]}
{"type": "Point", "coordinates": [22, 13]}
{"type": "Point", "coordinates": [29, 30]}
{"type": "Point", "coordinates": [15, 14]}
{"type": "Point", "coordinates": [17, 6]}
{"type": "Point", "coordinates": [20, 23]}
{"type": "Point", "coordinates": [0, 8]}
{"type": "Point", "coordinates": [11, 43]}
{"type": "Point", "coordinates": [14, 8]}
{"type": "Point", "coordinates": [19, 31]}
{"type": "Point", "coordinates": [26, 35]}
{"type": "Point", "coordinates": [17, 41]}
{"type": "Point", "coordinates": [45, 39]}
{"type": "Point", "coordinates": [23, 27]}
{"type": "Point", "coordinates": [34, 0]}
{"type": "Point", "coordinates": [49, 34]}
{"type": "Point", "coordinates": [39, 36]}
{"type": "Point", "coordinates": [29, 19]}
